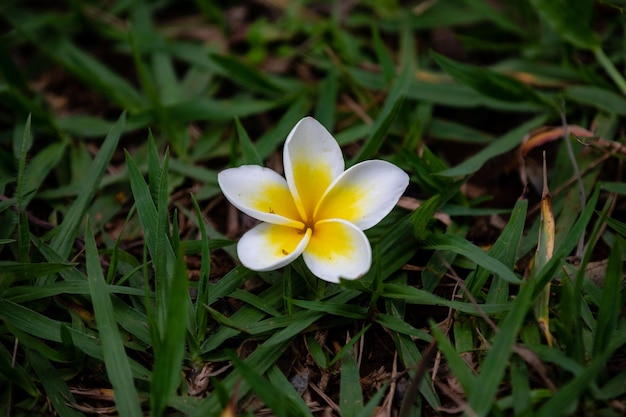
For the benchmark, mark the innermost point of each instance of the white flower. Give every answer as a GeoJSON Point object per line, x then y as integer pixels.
{"type": "Point", "coordinates": [318, 211]}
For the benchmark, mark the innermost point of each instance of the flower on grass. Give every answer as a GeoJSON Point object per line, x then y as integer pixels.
{"type": "Point", "coordinates": [318, 210]}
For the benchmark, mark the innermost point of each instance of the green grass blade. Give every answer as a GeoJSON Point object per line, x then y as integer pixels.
{"type": "Point", "coordinates": [504, 144]}
{"type": "Point", "coordinates": [162, 256]}
{"type": "Point", "coordinates": [273, 138]}
{"type": "Point", "coordinates": [386, 117]}
{"type": "Point", "coordinates": [561, 402]}
{"type": "Point", "coordinates": [146, 209]}
{"type": "Point", "coordinates": [325, 110]}
{"type": "Point", "coordinates": [169, 355]}
{"type": "Point", "coordinates": [463, 247]}
{"type": "Point", "coordinates": [396, 247]}
{"type": "Point", "coordinates": [41, 326]}
{"type": "Point", "coordinates": [560, 14]}
{"type": "Point", "coordinates": [346, 350]}
{"type": "Point", "coordinates": [457, 364]}
{"type": "Point", "coordinates": [246, 75]}
{"type": "Point", "coordinates": [287, 320]}
{"type": "Point", "coordinates": [495, 364]}
{"type": "Point", "coordinates": [23, 231]}
{"type": "Point", "coordinates": [165, 79]}
{"type": "Point", "coordinates": [247, 315]}
{"type": "Point", "coordinates": [10, 270]}
{"type": "Point", "coordinates": [418, 296]}
{"type": "Point", "coordinates": [601, 98]}
{"type": "Point", "coordinates": [497, 16]}
{"type": "Point", "coordinates": [619, 227]}
{"type": "Point", "coordinates": [40, 166]}
{"type": "Point", "coordinates": [229, 283]}
{"type": "Point", "coordinates": [202, 300]}
{"type": "Point", "coordinates": [248, 150]}
{"type": "Point", "coordinates": [520, 384]}
{"type": "Point", "coordinates": [12, 74]}
{"type": "Point", "coordinates": [255, 301]}
{"type": "Point", "coordinates": [278, 380]}
{"type": "Point", "coordinates": [350, 393]}
{"type": "Point", "coordinates": [398, 325]}
{"type": "Point", "coordinates": [75, 60]}
{"type": "Point", "coordinates": [275, 399]}
{"type": "Point", "coordinates": [154, 167]}
{"type": "Point", "coordinates": [505, 248]}
{"type": "Point", "coordinates": [16, 373]}
{"type": "Point", "coordinates": [383, 56]}
{"type": "Point", "coordinates": [615, 387]}
{"type": "Point", "coordinates": [422, 217]}
{"type": "Point", "coordinates": [611, 301]}
{"type": "Point", "coordinates": [63, 240]}
{"type": "Point", "coordinates": [115, 359]}
{"type": "Point", "coordinates": [260, 361]}
{"type": "Point", "coordinates": [410, 356]}
{"type": "Point", "coordinates": [487, 82]}
{"type": "Point", "coordinates": [343, 310]}
{"type": "Point", "coordinates": [57, 390]}
{"type": "Point", "coordinates": [610, 68]}
{"type": "Point", "coordinates": [424, 167]}
{"type": "Point", "coordinates": [204, 108]}
{"type": "Point", "coordinates": [371, 407]}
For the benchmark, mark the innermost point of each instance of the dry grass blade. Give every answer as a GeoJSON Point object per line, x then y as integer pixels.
{"type": "Point", "coordinates": [543, 254]}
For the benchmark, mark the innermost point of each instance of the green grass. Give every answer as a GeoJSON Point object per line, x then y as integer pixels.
{"type": "Point", "coordinates": [120, 288]}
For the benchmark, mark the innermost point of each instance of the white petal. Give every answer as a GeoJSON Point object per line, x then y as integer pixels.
{"type": "Point", "coordinates": [338, 249]}
{"type": "Point", "coordinates": [260, 193]}
{"type": "Point", "coordinates": [312, 160]}
{"type": "Point", "coordinates": [267, 246]}
{"type": "Point", "coordinates": [364, 194]}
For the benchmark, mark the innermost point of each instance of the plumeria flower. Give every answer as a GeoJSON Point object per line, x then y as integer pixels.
{"type": "Point", "coordinates": [319, 210]}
